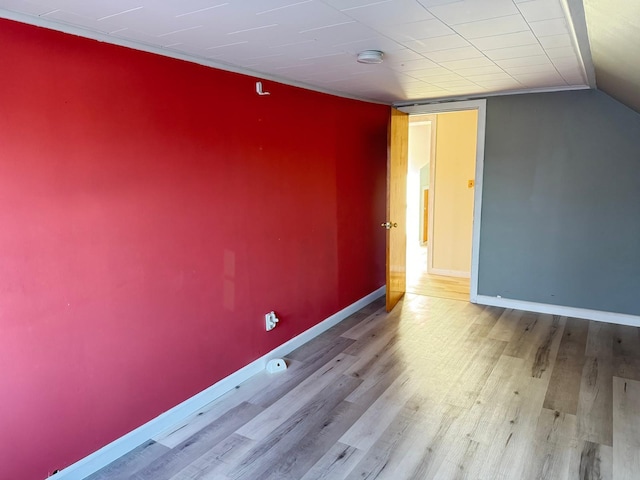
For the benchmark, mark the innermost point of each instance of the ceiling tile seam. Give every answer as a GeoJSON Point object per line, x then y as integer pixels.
{"type": "Point", "coordinates": [326, 26]}
{"type": "Point", "coordinates": [262, 27]}
{"type": "Point", "coordinates": [227, 45]}
{"type": "Point", "coordinates": [284, 7]}
{"type": "Point", "coordinates": [201, 10]}
{"type": "Point", "coordinates": [120, 13]}
{"type": "Point", "coordinates": [49, 13]}
{"type": "Point", "coordinates": [364, 6]}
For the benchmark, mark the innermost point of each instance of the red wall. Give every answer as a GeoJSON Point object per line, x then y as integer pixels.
{"type": "Point", "coordinates": [151, 212]}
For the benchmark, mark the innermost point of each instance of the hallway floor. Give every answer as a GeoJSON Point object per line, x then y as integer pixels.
{"type": "Point", "coordinates": [421, 283]}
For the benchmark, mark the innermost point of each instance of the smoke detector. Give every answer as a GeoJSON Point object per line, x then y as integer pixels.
{"type": "Point", "coordinates": [370, 56]}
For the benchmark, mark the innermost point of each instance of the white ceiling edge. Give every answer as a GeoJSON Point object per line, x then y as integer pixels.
{"type": "Point", "coordinates": [427, 101]}
{"type": "Point", "coordinates": [102, 37]}
{"type": "Point", "coordinates": [574, 12]}
{"type": "Point", "coordinates": [579, 40]}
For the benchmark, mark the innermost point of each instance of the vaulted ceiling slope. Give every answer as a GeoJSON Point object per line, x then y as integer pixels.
{"type": "Point", "coordinates": [614, 35]}
{"type": "Point", "coordinates": [432, 48]}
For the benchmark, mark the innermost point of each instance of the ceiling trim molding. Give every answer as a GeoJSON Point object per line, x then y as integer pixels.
{"type": "Point", "coordinates": [427, 101]}
{"type": "Point", "coordinates": [574, 11]}
{"type": "Point", "coordinates": [106, 38]}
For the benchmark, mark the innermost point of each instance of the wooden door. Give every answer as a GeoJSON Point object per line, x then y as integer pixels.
{"type": "Point", "coordinates": [397, 164]}
{"type": "Point", "coordinates": [425, 215]}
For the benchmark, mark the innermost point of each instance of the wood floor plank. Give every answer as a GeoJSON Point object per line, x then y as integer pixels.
{"type": "Point", "coordinates": [180, 432]}
{"type": "Point", "coordinates": [216, 463]}
{"type": "Point", "coordinates": [595, 401]}
{"type": "Point", "coordinates": [277, 413]}
{"type": "Point", "coordinates": [432, 441]}
{"type": "Point", "coordinates": [626, 352]}
{"type": "Point", "coordinates": [555, 444]}
{"type": "Point", "coordinates": [564, 385]}
{"type": "Point", "coordinates": [368, 428]}
{"type": "Point", "coordinates": [198, 444]}
{"type": "Point", "coordinates": [626, 341]}
{"type": "Point", "coordinates": [592, 461]}
{"type": "Point", "coordinates": [626, 429]}
{"type": "Point", "coordinates": [537, 340]}
{"type": "Point", "coordinates": [305, 422]}
{"type": "Point", "coordinates": [505, 420]}
{"type": "Point", "coordinates": [268, 396]}
{"type": "Point", "coordinates": [336, 464]}
{"type": "Point", "coordinates": [389, 449]}
{"type": "Point", "coordinates": [373, 321]}
{"type": "Point", "coordinates": [318, 441]}
{"type": "Point", "coordinates": [137, 459]}
{"type": "Point", "coordinates": [506, 326]}
{"type": "Point", "coordinates": [468, 385]}
{"type": "Point", "coordinates": [600, 340]}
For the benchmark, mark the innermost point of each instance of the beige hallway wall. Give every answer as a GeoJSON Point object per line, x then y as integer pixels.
{"type": "Point", "coordinates": [456, 135]}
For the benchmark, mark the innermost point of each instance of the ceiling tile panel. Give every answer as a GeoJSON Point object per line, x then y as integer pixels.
{"type": "Point", "coordinates": [427, 73]}
{"type": "Point", "coordinates": [305, 16]}
{"type": "Point", "coordinates": [545, 28]}
{"type": "Point", "coordinates": [561, 52]}
{"type": "Point", "coordinates": [554, 41]}
{"type": "Point", "coordinates": [524, 61]}
{"type": "Point", "coordinates": [467, 63]}
{"type": "Point", "coordinates": [526, 69]}
{"type": "Point", "coordinates": [536, 10]}
{"type": "Point", "coordinates": [502, 85]}
{"type": "Point", "coordinates": [416, 30]}
{"type": "Point", "coordinates": [28, 8]}
{"type": "Point", "coordinates": [435, 44]}
{"type": "Point", "coordinates": [419, 64]}
{"type": "Point", "coordinates": [381, 43]}
{"type": "Point", "coordinates": [447, 77]}
{"type": "Point", "coordinates": [515, 52]}
{"type": "Point", "coordinates": [93, 24]}
{"type": "Point", "coordinates": [504, 41]}
{"type": "Point", "coordinates": [397, 58]}
{"type": "Point", "coordinates": [454, 54]}
{"type": "Point", "coordinates": [393, 12]}
{"type": "Point", "coordinates": [90, 9]}
{"type": "Point", "coordinates": [340, 33]}
{"type": "Point", "coordinates": [535, 80]}
{"type": "Point", "coordinates": [473, 10]}
{"type": "Point", "coordinates": [490, 76]}
{"type": "Point", "coordinates": [465, 72]}
{"type": "Point", "coordinates": [492, 27]}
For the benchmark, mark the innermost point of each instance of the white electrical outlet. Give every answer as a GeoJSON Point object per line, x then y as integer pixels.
{"type": "Point", "coordinates": [271, 320]}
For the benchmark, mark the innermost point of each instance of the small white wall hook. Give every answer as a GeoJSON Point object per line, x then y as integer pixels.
{"type": "Point", "coordinates": [259, 89]}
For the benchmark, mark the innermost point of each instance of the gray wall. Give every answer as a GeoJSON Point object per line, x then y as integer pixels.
{"type": "Point", "coordinates": [561, 201]}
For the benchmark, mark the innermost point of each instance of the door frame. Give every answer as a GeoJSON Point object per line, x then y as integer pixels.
{"type": "Point", "coordinates": [481, 106]}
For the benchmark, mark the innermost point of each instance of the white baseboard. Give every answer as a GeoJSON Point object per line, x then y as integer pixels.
{"type": "Point", "coordinates": [587, 314]}
{"type": "Point", "coordinates": [114, 450]}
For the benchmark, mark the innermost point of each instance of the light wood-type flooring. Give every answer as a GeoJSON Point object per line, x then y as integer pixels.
{"type": "Point", "coordinates": [436, 389]}
{"type": "Point", "coordinates": [422, 283]}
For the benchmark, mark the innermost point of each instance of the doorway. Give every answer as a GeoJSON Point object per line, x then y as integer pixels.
{"type": "Point", "coordinates": [440, 203]}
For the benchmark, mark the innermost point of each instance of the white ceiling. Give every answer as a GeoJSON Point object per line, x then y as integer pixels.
{"type": "Point", "coordinates": [432, 48]}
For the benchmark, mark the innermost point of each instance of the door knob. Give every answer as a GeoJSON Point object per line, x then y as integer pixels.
{"type": "Point", "coordinates": [388, 225]}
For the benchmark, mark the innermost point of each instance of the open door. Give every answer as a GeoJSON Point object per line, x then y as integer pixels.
{"type": "Point", "coordinates": [396, 225]}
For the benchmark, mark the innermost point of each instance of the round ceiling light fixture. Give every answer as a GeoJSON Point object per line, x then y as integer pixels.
{"type": "Point", "coordinates": [370, 56]}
